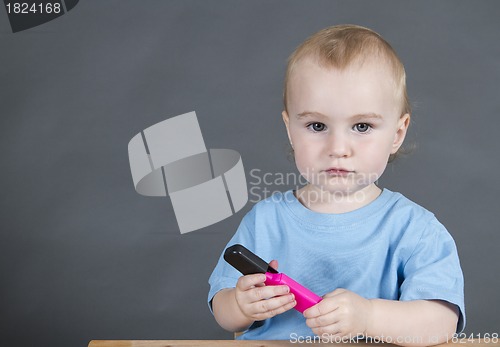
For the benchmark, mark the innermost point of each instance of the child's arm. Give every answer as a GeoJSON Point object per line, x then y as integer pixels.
{"type": "Point", "coordinates": [227, 312]}
{"type": "Point", "coordinates": [431, 321]}
{"type": "Point", "coordinates": [235, 309]}
{"type": "Point", "coordinates": [408, 323]}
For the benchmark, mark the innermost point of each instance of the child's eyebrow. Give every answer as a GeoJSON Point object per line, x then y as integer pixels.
{"type": "Point", "coordinates": [306, 114]}
{"type": "Point", "coordinates": [356, 117]}
{"type": "Point", "coordinates": [363, 116]}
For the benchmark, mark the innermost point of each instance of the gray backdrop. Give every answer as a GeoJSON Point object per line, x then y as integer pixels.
{"type": "Point", "coordinates": [83, 256]}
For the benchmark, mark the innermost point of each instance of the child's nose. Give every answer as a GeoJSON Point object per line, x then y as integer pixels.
{"type": "Point", "coordinates": [338, 145]}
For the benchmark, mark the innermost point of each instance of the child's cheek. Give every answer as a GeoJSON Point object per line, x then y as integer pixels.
{"type": "Point", "coordinates": [380, 166]}
{"type": "Point", "coordinates": [302, 161]}
{"type": "Point", "coordinates": [375, 157]}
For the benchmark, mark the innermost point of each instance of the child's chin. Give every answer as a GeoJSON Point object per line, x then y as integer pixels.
{"type": "Point", "coordinates": [336, 189]}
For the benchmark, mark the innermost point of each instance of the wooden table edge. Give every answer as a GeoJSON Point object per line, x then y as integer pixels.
{"type": "Point", "coordinates": [262, 343]}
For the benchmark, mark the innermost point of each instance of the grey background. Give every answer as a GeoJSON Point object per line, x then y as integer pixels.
{"type": "Point", "coordinates": [83, 256]}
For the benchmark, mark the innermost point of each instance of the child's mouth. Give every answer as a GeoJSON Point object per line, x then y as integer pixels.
{"type": "Point", "coordinates": [337, 172]}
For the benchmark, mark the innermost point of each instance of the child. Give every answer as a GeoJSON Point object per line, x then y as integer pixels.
{"type": "Point", "coordinates": [385, 266]}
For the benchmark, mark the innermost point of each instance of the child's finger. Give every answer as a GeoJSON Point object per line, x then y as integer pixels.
{"type": "Point", "coordinates": [321, 308]}
{"type": "Point", "coordinates": [267, 292]}
{"type": "Point", "coordinates": [322, 321]}
{"type": "Point", "coordinates": [277, 305]}
{"type": "Point", "coordinates": [336, 292]}
{"type": "Point", "coordinates": [249, 281]}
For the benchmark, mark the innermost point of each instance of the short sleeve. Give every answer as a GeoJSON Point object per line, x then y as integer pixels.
{"type": "Point", "coordinates": [224, 275]}
{"type": "Point", "coordinates": [433, 270]}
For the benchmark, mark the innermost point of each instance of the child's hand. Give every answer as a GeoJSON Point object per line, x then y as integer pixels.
{"type": "Point", "coordinates": [340, 313]}
{"type": "Point", "coordinates": [258, 301]}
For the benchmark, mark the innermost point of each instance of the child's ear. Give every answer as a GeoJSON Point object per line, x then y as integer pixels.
{"type": "Point", "coordinates": [401, 130]}
{"type": "Point", "coordinates": [286, 119]}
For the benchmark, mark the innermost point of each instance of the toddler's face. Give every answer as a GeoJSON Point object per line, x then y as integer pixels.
{"type": "Point", "coordinates": [343, 124]}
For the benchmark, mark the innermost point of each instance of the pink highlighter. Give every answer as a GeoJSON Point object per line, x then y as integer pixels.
{"type": "Point", "coordinates": [248, 263]}
{"type": "Point", "coordinates": [304, 297]}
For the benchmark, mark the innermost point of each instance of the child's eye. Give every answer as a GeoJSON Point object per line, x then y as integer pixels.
{"type": "Point", "coordinates": [316, 127]}
{"type": "Point", "coordinates": [362, 127]}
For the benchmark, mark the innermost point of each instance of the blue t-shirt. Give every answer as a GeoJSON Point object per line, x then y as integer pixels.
{"type": "Point", "coordinates": [391, 249]}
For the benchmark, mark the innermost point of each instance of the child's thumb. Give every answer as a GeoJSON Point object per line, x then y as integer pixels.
{"type": "Point", "coordinates": [274, 264]}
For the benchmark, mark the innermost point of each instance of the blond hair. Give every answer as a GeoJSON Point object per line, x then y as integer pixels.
{"type": "Point", "coordinates": [342, 45]}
